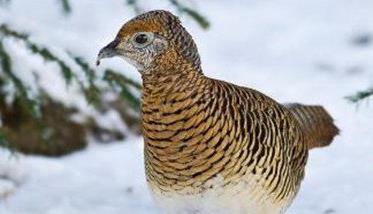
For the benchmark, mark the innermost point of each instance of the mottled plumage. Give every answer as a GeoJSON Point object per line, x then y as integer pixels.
{"type": "Point", "coordinates": [211, 146]}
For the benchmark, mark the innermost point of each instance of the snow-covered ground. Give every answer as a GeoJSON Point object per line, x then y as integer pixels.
{"type": "Point", "coordinates": [292, 50]}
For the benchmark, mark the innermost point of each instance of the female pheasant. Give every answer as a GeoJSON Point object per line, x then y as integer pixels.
{"type": "Point", "coordinates": [211, 146]}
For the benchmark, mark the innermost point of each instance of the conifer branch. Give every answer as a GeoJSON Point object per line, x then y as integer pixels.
{"type": "Point", "coordinates": [113, 76]}
{"type": "Point", "coordinates": [39, 50]}
{"type": "Point", "coordinates": [360, 95]}
{"type": "Point", "coordinates": [92, 92]}
{"type": "Point", "coordinates": [22, 92]}
{"type": "Point", "coordinates": [5, 143]}
{"type": "Point", "coordinates": [66, 7]}
{"type": "Point", "coordinates": [135, 5]}
{"type": "Point", "coordinates": [200, 19]}
{"type": "Point", "coordinates": [123, 82]}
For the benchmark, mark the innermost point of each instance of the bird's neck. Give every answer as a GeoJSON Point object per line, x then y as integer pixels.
{"type": "Point", "coordinates": [163, 84]}
{"type": "Point", "coordinates": [170, 73]}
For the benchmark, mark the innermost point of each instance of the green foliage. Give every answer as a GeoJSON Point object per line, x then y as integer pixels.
{"type": "Point", "coordinates": [4, 142]}
{"type": "Point", "coordinates": [47, 130]}
{"type": "Point", "coordinates": [360, 95]}
{"type": "Point", "coordinates": [113, 76]}
{"type": "Point", "coordinates": [124, 83]}
{"type": "Point", "coordinates": [6, 31]}
{"type": "Point", "coordinates": [180, 7]}
{"type": "Point", "coordinates": [92, 92]}
{"type": "Point", "coordinates": [37, 120]}
{"type": "Point", "coordinates": [66, 7]}
{"type": "Point", "coordinates": [134, 4]}
{"type": "Point", "coordinates": [201, 20]}
{"type": "Point", "coordinates": [22, 91]}
{"type": "Point", "coordinates": [38, 50]}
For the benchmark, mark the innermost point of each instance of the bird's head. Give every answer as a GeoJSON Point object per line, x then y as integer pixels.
{"type": "Point", "coordinates": [153, 39]}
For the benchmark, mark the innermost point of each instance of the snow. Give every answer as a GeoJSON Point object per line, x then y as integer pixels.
{"type": "Point", "coordinates": [294, 51]}
{"type": "Point", "coordinates": [96, 181]}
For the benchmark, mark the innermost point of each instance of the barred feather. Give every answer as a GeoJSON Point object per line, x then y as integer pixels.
{"type": "Point", "coordinates": [207, 136]}
{"type": "Point", "coordinates": [316, 124]}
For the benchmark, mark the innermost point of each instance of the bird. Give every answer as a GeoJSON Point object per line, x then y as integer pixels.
{"type": "Point", "coordinates": [211, 146]}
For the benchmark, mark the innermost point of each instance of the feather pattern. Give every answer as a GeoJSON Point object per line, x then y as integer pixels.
{"type": "Point", "coordinates": [212, 146]}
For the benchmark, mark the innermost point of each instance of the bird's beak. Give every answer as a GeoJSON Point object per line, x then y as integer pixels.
{"type": "Point", "coordinates": [108, 51]}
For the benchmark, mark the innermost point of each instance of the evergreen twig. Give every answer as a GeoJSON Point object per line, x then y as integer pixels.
{"type": "Point", "coordinates": [5, 143]}
{"type": "Point", "coordinates": [37, 49]}
{"type": "Point", "coordinates": [135, 5]}
{"type": "Point", "coordinates": [22, 91]}
{"type": "Point", "coordinates": [66, 7]}
{"type": "Point", "coordinates": [360, 95]}
{"type": "Point", "coordinates": [200, 19]}
{"type": "Point", "coordinates": [123, 82]}
{"type": "Point", "coordinates": [92, 92]}
{"type": "Point", "coordinates": [113, 76]}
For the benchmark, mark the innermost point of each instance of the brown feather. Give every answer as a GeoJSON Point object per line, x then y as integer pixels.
{"type": "Point", "coordinates": [316, 124]}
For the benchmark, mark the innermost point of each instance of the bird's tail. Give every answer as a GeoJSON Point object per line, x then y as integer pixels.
{"type": "Point", "coordinates": [316, 124]}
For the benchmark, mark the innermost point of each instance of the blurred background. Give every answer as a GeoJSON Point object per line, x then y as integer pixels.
{"type": "Point", "coordinates": [70, 139]}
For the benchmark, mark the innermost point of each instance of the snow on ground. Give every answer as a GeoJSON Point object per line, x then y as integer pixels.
{"type": "Point", "coordinates": [104, 179]}
{"type": "Point", "coordinates": [289, 49]}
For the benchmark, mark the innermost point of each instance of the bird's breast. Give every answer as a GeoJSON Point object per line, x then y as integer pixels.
{"type": "Point", "coordinates": [241, 198]}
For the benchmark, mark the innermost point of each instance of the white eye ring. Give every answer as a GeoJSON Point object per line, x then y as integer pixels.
{"type": "Point", "coordinates": [142, 39]}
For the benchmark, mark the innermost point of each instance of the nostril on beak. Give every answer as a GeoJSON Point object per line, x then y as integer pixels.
{"type": "Point", "coordinates": [108, 51]}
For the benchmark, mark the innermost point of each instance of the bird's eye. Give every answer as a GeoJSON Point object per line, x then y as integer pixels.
{"type": "Point", "coordinates": [142, 39]}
